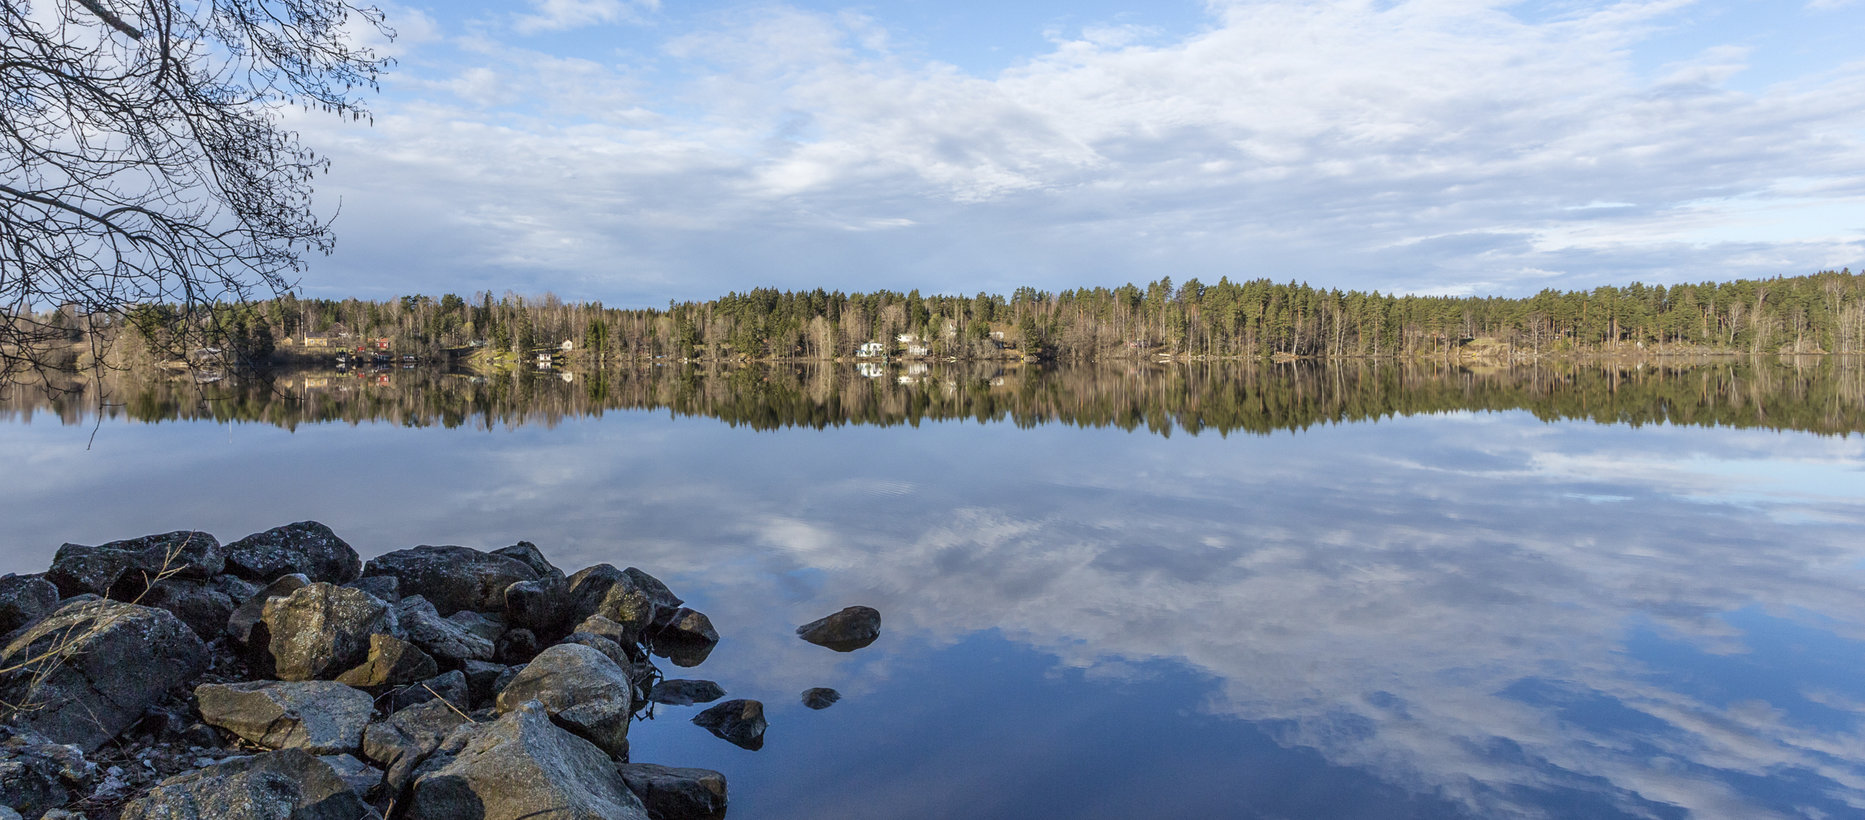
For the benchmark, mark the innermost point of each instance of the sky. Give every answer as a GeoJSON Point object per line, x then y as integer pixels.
{"type": "Point", "coordinates": [639, 151]}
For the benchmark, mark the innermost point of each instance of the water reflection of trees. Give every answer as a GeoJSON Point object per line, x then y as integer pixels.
{"type": "Point", "coordinates": [1816, 394]}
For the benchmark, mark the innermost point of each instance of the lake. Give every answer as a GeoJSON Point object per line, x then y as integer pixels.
{"type": "Point", "coordinates": [1122, 590]}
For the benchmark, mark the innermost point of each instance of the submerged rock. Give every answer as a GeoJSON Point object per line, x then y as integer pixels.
{"type": "Point", "coordinates": [676, 794]}
{"type": "Point", "coordinates": [286, 785]}
{"type": "Point", "coordinates": [322, 630]}
{"type": "Point", "coordinates": [453, 578]}
{"type": "Point", "coordinates": [305, 547]}
{"type": "Point", "coordinates": [845, 631]}
{"type": "Point", "coordinates": [95, 666]}
{"type": "Point", "coordinates": [739, 721]}
{"type": "Point", "coordinates": [520, 766]}
{"type": "Point", "coordinates": [820, 697]}
{"type": "Point", "coordinates": [677, 692]}
{"type": "Point", "coordinates": [582, 689]}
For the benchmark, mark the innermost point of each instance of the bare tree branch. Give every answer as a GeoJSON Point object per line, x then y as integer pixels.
{"type": "Point", "coordinates": [155, 171]}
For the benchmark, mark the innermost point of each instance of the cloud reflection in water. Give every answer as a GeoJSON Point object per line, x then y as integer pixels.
{"type": "Point", "coordinates": [1447, 602]}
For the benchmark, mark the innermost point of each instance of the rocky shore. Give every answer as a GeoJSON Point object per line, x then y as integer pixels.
{"type": "Point", "coordinates": [280, 676]}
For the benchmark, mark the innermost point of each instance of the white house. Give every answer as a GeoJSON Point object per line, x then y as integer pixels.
{"type": "Point", "coordinates": [871, 349]}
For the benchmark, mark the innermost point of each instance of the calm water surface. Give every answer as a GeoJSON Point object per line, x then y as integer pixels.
{"type": "Point", "coordinates": [1355, 592]}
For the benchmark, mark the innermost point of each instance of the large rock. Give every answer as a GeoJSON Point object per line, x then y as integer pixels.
{"type": "Point", "coordinates": [531, 556]}
{"type": "Point", "coordinates": [37, 775]}
{"type": "Point", "coordinates": [322, 717]}
{"type": "Point", "coordinates": [90, 669]}
{"type": "Point", "coordinates": [676, 794]}
{"type": "Point", "coordinates": [687, 638]}
{"type": "Point", "coordinates": [246, 626]}
{"type": "Point", "coordinates": [449, 642]}
{"type": "Point", "coordinates": [286, 785]}
{"type": "Point", "coordinates": [122, 569]}
{"type": "Point", "coordinates": [607, 647]}
{"type": "Point", "coordinates": [322, 629]}
{"type": "Point", "coordinates": [541, 606]}
{"type": "Point", "coordinates": [606, 591]}
{"type": "Point", "coordinates": [391, 662]}
{"type": "Point", "coordinates": [405, 739]}
{"type": "Point", "coordinates": [582, 689]}
{"type": "Point", "coordinates": [24, 599]}
{"type": "Point", "coordinates": [629, 639]}
{"type": "Point", "coordinates": [739, 721]}
{"type": "Point", "coordinates": [845, 631]}
{"type": "Point", "coordinates": [203, 605]}
{"type": "Point", "coordinates": [305, 547]}
{"type": "Point", "coordinates": [453, 578]}
{"type": "Point", "coordinates": [520, 766]}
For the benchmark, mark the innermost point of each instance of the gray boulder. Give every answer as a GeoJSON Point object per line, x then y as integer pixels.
{"type": "Point", "coordinates": [542, 606]}
{"type": "Point", "coordinates": [24, 599]}
{"type": "Point", "coordinates": [90, 669]}
{"type": "Point", "coordinates": [629, 639]}
{"type": "Point", "coordinates": [845, 631]}
{"type": "Point", "coordinates": [37, 775]}
{"type": "Point", "coordinates": [305, 547]}
{"type": "Point", "coordinates": [531, 556]}
{"type": "Point", "coordinates": [687, 638]}
{"type": "Point", "coordinates": [203, 605]}
{"type": "Point", "coordinates": [322, 717]}
{"type": "Point", "coordinates": [741, 722]}
{"type": "Point", "coordinates": [484, 625]}
{"type": "Point", "coordinates": [405, 739]}
{"type": "Point", "coordinates": [362, 777]}
{"type": "Point", "coordinates": [678, 692]}
{"type": "Point", "coordinates": [291, 784]}
{"type": "Point", "coordinates": [391, 662]}
{"type": "Point", "coordinates": [607, 647]}
{"type": "Point", "coordinates": [450, 643]}
{"type": "Point", "coordinates": [582, 689]}
{"type": "Point", "coordinates": [606, 591]}
{"type": "Point", "coordinates": [676, 794]}
{"type": "Point", "coordinates": [520, 766]}
{"type": "Point", "coordinates": [448, 686]}
{"type": "Point", "coordinates": [322, 629]}
{"type": "Point", "coordinates": [248, 618]}
{"type": "Point", "coordinates": [385, 587]}
{"type": "Point", "coordinates": [122, 569]}
{"type": "Point", "coordinates": [453, 578]}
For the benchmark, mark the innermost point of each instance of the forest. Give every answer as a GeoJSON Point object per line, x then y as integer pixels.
{"type": "Point", "coordinates": [1823, 312]}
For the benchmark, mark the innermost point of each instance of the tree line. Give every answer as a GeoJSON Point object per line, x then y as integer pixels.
{"type": "Point", "coordinates": [1823, 312]}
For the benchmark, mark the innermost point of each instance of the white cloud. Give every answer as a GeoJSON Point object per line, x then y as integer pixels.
{"type": "Point", "coordinates": [561, 15]}
{"type": "Point", "coordinates": [1424, 146]}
